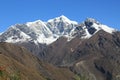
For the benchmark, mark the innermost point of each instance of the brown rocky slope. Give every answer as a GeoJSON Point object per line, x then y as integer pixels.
{"type": "Point", "coordinates": [17, 63]}
{"type": "Point", "coordinates": [96, 58]}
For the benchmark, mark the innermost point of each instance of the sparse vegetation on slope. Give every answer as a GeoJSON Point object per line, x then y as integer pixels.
{"type": "Point", "coordinates": [25, 66]}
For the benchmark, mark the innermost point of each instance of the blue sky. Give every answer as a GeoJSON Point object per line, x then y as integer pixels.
{"type": "Point", "coordinates": [22, 11]}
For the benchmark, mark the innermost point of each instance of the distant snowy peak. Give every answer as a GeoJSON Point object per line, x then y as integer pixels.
{"type": "Point", "coordinates": [39, 27]}
{"type": "Point", "coordinates": [35, 23]}
{"type": "Point", "coordinates": [89, 27]}
{"type": "Point", "coordinates": [91, 20]}
{"type": "Point", "coordinates": [92, 23]}
{"type": "Point", "coordinates": [61, 26]}
{"type": "Point", "coordinates": [62, 19]}
{"type": "Point", "coordinates": [13, 35]}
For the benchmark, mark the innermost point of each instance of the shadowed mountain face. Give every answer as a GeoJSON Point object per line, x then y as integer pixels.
{"type": "Point", "coordinates": [97, 58]}
{"type": "Point", "coordinates": [101, 53]}
{"type": "Point", "coordinates": [20, 64]}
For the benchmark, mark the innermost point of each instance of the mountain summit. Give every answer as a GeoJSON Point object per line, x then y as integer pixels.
{"type": "Point", "coordinates": [62, 19]}
{"type": "Point", "coordinates": [48, 32]}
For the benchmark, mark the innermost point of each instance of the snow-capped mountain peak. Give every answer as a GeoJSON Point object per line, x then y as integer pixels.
{"type": "Point", "coordinates": [89, 27]}
{"type": "Point", "coordinates": [48, 32]}
{"type": "Point", "coordinates": [35, 23]}
{"type": "Point", "coordinates": [61, 26]}
{"type": "Point", "coordinates": [92, 20]}
{"type": "Point", "coordinates": [92, 23]}
{"type": "Point", "coordinates": [62, 18]}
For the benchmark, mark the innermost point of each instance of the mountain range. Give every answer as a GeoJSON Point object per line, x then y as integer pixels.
{"type": "Point", "coordinates": [48, 32]}
{"type": "Point", "coordinates": [88, 50]}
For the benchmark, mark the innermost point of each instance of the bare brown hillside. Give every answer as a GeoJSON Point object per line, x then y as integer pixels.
{"type": "Point", "coordinates": [96, 58]}
{"type": "Point", "coordinates": [19, 63]}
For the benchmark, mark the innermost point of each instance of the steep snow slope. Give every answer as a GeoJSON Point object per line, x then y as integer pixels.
{"type": "Point", "coordinates": [61, 25]}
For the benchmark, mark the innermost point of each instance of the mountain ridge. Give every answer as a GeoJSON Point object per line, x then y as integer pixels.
{"type": "Point", "coordinates": [48, 32]}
